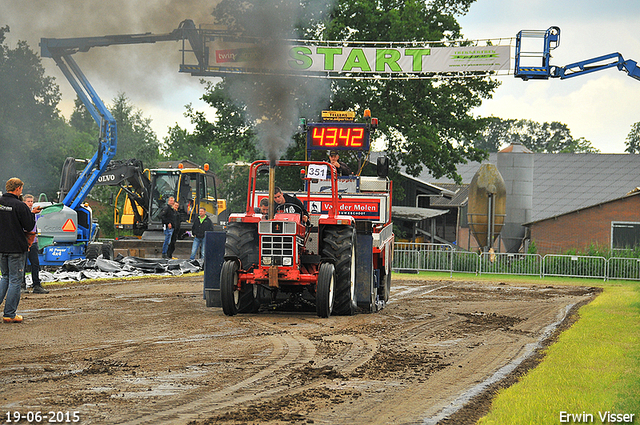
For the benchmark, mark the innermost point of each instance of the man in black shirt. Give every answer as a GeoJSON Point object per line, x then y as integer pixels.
{"type": "Point", "coordinates": [16, 219]}
{"type": "Point", "coordinates": [341, 168]}
{"type": "Point", "coordinates": [201, 225]}
{"type": "Point", "coordinates": [168, 216]}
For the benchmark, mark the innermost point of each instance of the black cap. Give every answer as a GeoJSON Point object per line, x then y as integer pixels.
{"type": "Point", "coordinates": [334, 152]}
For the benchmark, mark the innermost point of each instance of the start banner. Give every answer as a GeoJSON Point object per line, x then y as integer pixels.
{"type": "Point", "coordinates": [229, 56]}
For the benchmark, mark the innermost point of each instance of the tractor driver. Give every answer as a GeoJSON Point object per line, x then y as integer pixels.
{"type": "Point", "coordinates": [263, 208]}
{"type": "Point", "coordinates": [282, 198]}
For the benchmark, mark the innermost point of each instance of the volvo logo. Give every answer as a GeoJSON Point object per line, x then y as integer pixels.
{"type": "Point", "coordinates": [106, 178]}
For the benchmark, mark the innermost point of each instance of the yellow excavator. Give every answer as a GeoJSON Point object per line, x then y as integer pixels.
{"type": "Point", "coordinates": [144, 192]}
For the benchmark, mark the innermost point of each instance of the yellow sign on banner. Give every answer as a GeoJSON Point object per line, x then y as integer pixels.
{"type": "Point", "coordinates": [338, 115]}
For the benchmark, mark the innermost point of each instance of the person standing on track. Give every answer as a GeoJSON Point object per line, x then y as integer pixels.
{"type": "Point", "coordinates": [32, 255]}
{"type": "Point", "coordinates": [17, 220]}
{"type": "Point", "coordinates": [176, 232]}
{"type": "Point", "coordinates": [201, 225]}
{"type": "Point", "coordinates": [167, 215]}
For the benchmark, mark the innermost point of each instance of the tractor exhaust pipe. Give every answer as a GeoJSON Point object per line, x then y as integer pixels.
{"type": "Point", "coordinates": [272, 185]}
{"type": "Point", "coordinates": [273, 270]}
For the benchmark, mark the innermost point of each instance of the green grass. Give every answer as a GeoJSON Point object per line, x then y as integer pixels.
{"type": "Point", "coordinates": [593, 367]}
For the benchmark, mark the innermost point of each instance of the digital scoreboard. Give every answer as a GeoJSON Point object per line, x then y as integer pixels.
{"type": "Point", "coordinates": [338, 136]}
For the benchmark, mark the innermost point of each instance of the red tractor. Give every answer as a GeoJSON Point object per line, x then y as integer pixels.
{"type": "Point", "coordinates": [340, 259]}
{"type": "Point", "coordinates": [335, 257]}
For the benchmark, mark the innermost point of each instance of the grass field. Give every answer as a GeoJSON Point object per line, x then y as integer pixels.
{"type": "Point", "coordinates": [590, 373]}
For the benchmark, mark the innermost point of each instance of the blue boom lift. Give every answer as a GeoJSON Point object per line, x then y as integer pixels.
{"type": "Point", "coordinates": [66, 230]}
{"type": "Point", "coordinates": [533, 58]}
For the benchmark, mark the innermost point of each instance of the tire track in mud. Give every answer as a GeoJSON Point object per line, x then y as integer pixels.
{"type": "Point", "coordinates": [288, 351]}
{"type": "Point", "coordinates": [291, 352]}
{"type": "Point", "coordinates": [350, 357]}
{"type": "Point", "coordinates": [53, 367]}
{"type": "Point", "coordinates": [407, 292]}
{"type": "Point", "coordinates": [301, 379]}
{"type": "Point", "coordinates": [359, 350]}
{"type": "Point", "coordinates": [418, 328]}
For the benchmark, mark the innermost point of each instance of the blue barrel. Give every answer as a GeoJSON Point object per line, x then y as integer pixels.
{"type": "Point", "coordinates": [214, 258]}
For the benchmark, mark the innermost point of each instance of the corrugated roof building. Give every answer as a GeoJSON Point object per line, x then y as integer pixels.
{"type": "Point", "coordinates": [562, 183]}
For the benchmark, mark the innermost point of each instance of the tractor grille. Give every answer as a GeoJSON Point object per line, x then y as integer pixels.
{"type": "Point", "coordinates": [277, 246]}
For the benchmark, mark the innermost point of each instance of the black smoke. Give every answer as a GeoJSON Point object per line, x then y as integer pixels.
{"type": "Point", "coordinates": [274, 101]}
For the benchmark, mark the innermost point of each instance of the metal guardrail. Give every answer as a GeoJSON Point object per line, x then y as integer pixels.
{"type": "Point", "coordinates": [444, 258]}
{"type": "Point", "coordinates": [465, 262]}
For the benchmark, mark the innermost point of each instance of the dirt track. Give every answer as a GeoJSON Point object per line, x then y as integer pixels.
{"type": "Point", "coordinates": [149, 351]}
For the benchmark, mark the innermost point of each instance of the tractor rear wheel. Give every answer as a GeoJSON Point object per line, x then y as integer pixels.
{"type": "Point", "coordinates": [242, 244]}
{"type": "Point", "coordinates": [325, 290]}
{"type": "Point", "coordinates": [339, 247]}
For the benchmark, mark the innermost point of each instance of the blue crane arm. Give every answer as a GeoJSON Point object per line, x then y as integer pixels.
{"type": "Point", "coordinates": [61, 50]}
{"type": "Point", "coordinates": [533, 62]}
{"type": "Point", "coordinates": [107, 140]}
{"type": "Point", "coordinates": [597, 64]}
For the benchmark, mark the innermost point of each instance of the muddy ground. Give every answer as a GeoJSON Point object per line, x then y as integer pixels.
{"type": "Point", "coordinates": [148, 351]}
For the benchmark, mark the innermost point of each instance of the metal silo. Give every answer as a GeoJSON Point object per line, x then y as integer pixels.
{"type": "Point", "coordinates": [487, 206]}
{"type": "Point", "coordinates": [515, 163]}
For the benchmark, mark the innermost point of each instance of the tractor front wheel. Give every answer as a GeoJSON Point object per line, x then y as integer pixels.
{"type": "Point", "coordinates": [236, 300]}
{"type": "Point", "coordinates": [229, 293]}
{"type": "Point", "coordinates": [324, 292]}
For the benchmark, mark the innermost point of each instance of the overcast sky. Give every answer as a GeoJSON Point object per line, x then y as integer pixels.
{"type": "Point", "coordinates": [600, 107]}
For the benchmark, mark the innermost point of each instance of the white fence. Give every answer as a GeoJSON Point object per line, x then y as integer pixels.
{"type": "Point", "coordinates": [574, 266]}
{"type": "Point", "coordinates": [623, 268]}
{"type": "Point", "coordinates": [500, 263]}
{"type": "Point", "coordinates": [444, 258]}
{"type": "Point", "coordinates": [422, 256]}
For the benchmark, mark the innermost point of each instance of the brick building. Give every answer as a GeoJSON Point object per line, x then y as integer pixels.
{"type": "Point", "coordinates": [614, 224]}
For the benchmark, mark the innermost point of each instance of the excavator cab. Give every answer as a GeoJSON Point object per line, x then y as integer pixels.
{"type": "Point", "coordinates": [192, 188]}
{"type": "Point", "coordinates": [138, 207]}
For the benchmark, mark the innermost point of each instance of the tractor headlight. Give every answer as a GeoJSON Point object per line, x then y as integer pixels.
{"type": "Point", "coordinates": [287, 261]}
{"type": "Point", "coordinates": [266, 261]}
